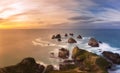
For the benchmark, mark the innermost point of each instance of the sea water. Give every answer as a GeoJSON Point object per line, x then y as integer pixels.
{"type": "Point", "coordinates": [37, 43]}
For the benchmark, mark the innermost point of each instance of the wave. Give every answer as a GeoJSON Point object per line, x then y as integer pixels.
{"type": "Point", "coordinates": [82, 44]}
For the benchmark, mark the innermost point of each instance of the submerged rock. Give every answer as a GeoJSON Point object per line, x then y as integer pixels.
{"type": "Point", "coordinates": [63, 53]}
{"type": "Point", "coordinates": [79, 37]}
{"type": "Point", "coordinates": [27, 65]}
{"type": "Point", "coordinates": [114, 57]}
{"type": "Point", "coordinates": [93, 42]}
{"type": "Point", "coordinates": [71, 40]}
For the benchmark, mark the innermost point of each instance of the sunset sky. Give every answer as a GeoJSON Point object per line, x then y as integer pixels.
{"type": "Point", "coordinates": [31, 14]}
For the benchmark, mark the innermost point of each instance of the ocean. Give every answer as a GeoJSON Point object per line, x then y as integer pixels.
{"type": "Point", "coordinates": [17, 44]}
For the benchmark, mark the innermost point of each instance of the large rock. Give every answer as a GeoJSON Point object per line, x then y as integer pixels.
{"type": "Point", "coordinates": [27, 65]}
{"type": "Point", "coordinates": [63, 53]}
{"type": "Point", "coordinates": [71, 40]}
{"type": "Point", "coordinates": [79, 37]}
{"type": "Point", "coordinates": [114, 57]}
{"type": "Point", "coordinates": [93, 42]}
{"type": "Point", "coordinates": [84, 62]}
{"type": "Point", "coordinates": [58, 36]}
{"type": "Point", "coordinates": [75, 52]}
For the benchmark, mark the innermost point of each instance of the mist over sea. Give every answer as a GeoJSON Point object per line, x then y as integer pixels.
{"type": "Point", "coordinates": [20, 43]}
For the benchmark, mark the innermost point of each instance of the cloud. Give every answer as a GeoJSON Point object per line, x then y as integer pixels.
{"type": "Point", "coordinates": [60, 13]}
{"type": "Point", "coordinates": [81, 18]}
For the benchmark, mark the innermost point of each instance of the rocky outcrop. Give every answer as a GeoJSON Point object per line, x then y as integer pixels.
{"type": "Point", "coordinates": [58, 36]}
{"type": "Point", "coordinates": [71, 40]}
{"type": "Point", "coordinates": [53, 37]}
{"type": "Point", "coordinates": [63, 53]}
{"type": "Point", "coordinates": [59, 40]}
{"type": "Point", "coordinates": [93, 42]}
{"type": "Point", "coordinates": [114, 57]}
{"type": "Point", "coordinates": [89, 62]}
{"type": "Point", "coordinates": [27, 65]}
{"type": "Point", "coordinates": [71, 34]}
{"type": "Point", "coordinates": [49, 68]}
{"type": "Point", "coordinates": [75, 53]}
{"type": "Point", "coordinates": [66, 66]}
{"type": "Point", "coordinates": [79, 37]}
{"type": "Point", "coordinates": [66, 35]}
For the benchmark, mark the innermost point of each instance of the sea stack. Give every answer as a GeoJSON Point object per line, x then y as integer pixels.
{"type": "Point", "coordinates": [93, 42]}
{"type": "Point", "coordinates": [66, 35]}
{"type": "Point", "coordinates": [79, 37]}
{"type": "Point", "coordinates": [71, 40]}
{"type": "Point", "coordinates": [63, 53]}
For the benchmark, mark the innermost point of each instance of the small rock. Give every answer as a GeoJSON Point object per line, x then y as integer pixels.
{"type": "Point", "coordinates": [71, 40]}
{"type": "Point", "coordinates": [79, 37]}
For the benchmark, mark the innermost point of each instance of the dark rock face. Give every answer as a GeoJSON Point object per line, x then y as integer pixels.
{"type": "Point", "coordinates": [49, 68]}
{"type": "Point", "coordinates": [71, 40]}
{"type": "Point", "coordinates": [58, 36]}
{"type": "Point", "coordinates": [79, 37]}
{"type": "Point", "coordinates": [93, 43]}
{"type": "Point", "coordinates": [63, 53]}
{"type": "Point", "coordinates": [114, 57]}
{"type": "Point", "coordinates": [59, 40]}
{"type": "Point", "coordinates": [66, 35]}
{"type": "Point", "coordinates": [71, 34]}
{"type": "Point", "coordinates": [53, 37]}
{"type": "Point", "coordinates": [27, 65]}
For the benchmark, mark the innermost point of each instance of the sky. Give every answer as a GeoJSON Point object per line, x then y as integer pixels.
{"type": "Point", "coordinates": [40, 14]}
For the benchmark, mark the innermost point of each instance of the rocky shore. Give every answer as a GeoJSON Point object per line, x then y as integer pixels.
{"type": "Point", "coordinates": [79, 61]}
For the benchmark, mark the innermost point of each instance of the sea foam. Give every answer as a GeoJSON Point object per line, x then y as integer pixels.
{"type": "Point", "coordinates": [82, 44]}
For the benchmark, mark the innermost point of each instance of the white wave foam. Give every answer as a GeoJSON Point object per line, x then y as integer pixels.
{"type": "Point", "coordinates": [82, 44]}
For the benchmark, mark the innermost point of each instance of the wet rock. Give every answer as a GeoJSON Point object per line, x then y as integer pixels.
{"type": "Point", "coordinates": [79, 37]}
{"type": "Point", "coordinates": [100, 42]}
{"type": "Point", "coordinates": [71, 40]}
{"type": "Point", "coordinates": [59, 40]}
{"type": "Point", "coordinates": [63, 53]}
{"type": "Point", "coordinates": [58, 36]}
{"type": "Point", "coordinates": [66, 35]}
{"type": "Point", "coordinates": [71, 34]}
{"type": "Point", "coordinates": [93, 42]}
{"type": "Point", "coordinates": [114, 57]}
{"type": "Point", "coordinates": [49, 68]}
{"type": "Point", "coordinates": [53, 37]}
